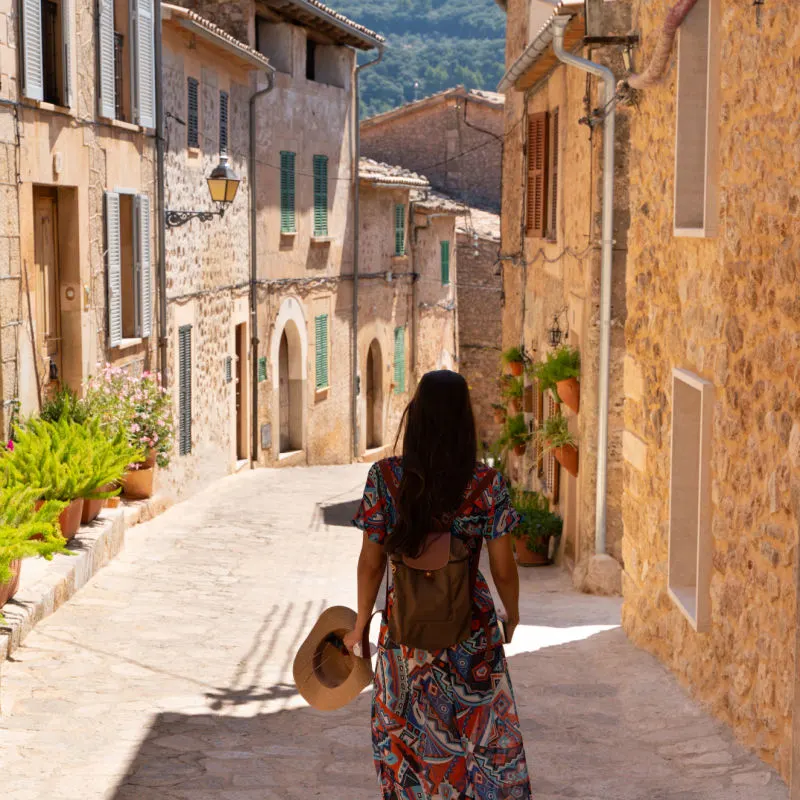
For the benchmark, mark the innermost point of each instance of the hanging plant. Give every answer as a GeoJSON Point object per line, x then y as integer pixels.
{"type": "Point", "coordinates": [561, 365]}
{"type": "Point", "coordinates": [514, 357]}
{"type": "Point", "coordinates": [555, 437]}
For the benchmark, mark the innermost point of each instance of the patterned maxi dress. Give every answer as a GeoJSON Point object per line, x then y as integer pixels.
{"type": "Point", "coordinates": [444, 723]}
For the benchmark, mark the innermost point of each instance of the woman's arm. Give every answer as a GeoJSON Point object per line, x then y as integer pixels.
{"type": "Point", "coordinates": [506, 579]}
{"type": "Point", "coordinates": [371, 564]}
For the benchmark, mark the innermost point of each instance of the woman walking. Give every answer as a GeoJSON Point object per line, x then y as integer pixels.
{"type": "Point", "coordinates": [444, 719]}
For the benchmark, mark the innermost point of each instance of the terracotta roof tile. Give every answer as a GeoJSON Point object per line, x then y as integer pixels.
{"type": "Point", "coordinates": [377, 172]}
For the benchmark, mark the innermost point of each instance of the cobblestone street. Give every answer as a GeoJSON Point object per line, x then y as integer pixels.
{"type": "Point", "coordinates": [168, 677]}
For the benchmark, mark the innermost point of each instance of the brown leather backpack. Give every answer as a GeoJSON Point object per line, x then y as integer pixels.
{"type": "Point", "coordinates": [432, 607]}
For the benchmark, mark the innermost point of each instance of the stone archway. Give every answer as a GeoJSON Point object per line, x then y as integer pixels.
{"type": "Point", "coordinates": [374, 375]}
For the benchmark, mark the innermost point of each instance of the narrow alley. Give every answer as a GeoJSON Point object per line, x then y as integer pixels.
{"type": "Point", "coordinates": [169, 675]}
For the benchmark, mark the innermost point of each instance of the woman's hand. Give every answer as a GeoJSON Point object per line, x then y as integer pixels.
{"type": "Point", "coordinates": [511, 623]}
{"type": "Point", "coordinates": [355, 637]}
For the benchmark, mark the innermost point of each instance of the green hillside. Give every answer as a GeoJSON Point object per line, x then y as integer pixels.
{"type": "Point", "coordinates": [435, 43]}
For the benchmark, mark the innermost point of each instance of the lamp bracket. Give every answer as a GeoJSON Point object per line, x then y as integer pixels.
{"type": "Point", "coordinates": [175, 219]}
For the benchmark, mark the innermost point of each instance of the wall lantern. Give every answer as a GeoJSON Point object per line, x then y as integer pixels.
{"type": "Point", "coordinates": [223, 184]}
{"type": "Point", "coordinates": [555, 335]}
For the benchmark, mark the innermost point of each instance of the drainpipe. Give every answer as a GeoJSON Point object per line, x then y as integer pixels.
{"type": "Point", "coordinates": [160, 197]}
{"type": "Point", "coordinates": [254, 263]}
{"type": "Point", "coordinates": [607, 76]}
{"type": "Point", "coordinates": [357, 240]}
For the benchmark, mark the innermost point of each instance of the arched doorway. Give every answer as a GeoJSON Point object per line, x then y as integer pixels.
{"type": "Point", "coordinates": [374, 396]}
{"type": "Point", "coordinates": [290, 390]}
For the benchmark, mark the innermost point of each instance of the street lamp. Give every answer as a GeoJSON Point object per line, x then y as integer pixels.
{"type": "Point", "coordinates": [222, 185]}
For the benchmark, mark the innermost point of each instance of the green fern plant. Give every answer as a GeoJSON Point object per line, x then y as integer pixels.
{"type": "Point", "coordinates": [560, 365]}
{"type": "Point", "coordinates": [515, 432]}
{"type": "Point", "coordinates": [104, 459]}
{"type": "Point", "coordinates": [554, 433]}
{"type": "Point", "coordinates": [538, 523]}
{"type": "Point", "coordinates": [514, 388]}
{"type": "Point", "coordinates": [513, 355]}
{"type": "Point", "coordinates": [65, 404]}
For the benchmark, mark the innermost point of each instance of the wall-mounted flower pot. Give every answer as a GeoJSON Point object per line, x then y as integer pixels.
{"type": "Point", "coordinates": [515, 405]}
{"type": "Point", "coordinates": [520, 449]}
{"type": "Point", "coordinates": [500, 415]}
{"type": "Point", "coordinates": [137, 484]}
{"type": "Point", "coordinates": [567, 456]}
{"type": "Point", "coordinates": [9, 588]}
{"type": "Point", "coordinates": [530, 558]}
{"type": "Point", "coordinates": [569, 391]}
{"type": "Point", "coordinates": [516, 367]}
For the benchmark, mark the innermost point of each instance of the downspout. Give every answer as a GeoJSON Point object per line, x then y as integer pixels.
{"type": "Point", "coordinates": [607, 76]}
{"type": "Point", "coordinates": [254, 263]}
{"type": "Point", "coordinates": [357, 239]}
{"type": "Point", "coordinates": [160, 198]}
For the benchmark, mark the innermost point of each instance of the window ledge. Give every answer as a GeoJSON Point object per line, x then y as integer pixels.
{"type": "Point", "coordinates": [126, 344]}
{"type": "Point", "coordinates": [321, 239]}
{"type": "Point", "coordinates": [400, 259]}
{"type": "Point", "coordinates": [42, 105]}
{"type": "Point", "coordinates": [288, 234]}
{"type": "Point", "coordinates": [124, 126]}
{"type": "Point", "coordinates": [194, 152]}
{"type": "Point", "coordinates": [321, 394]}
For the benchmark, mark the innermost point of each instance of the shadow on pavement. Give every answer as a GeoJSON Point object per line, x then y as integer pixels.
{"type": "Point", "coordinates": [340, 515]}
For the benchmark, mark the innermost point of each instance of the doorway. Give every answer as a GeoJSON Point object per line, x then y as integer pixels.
{"type": "Point", "coordinates": [290, 390]}
{"type": "Point", "coordinates": [46, 286]}
{"type": "Point", "coordinates": [242, 449]}
{"type": "Point", "coordinates": [374, 396]}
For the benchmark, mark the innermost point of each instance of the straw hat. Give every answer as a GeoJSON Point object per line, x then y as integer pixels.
{"type": "Point", "coordinates": [326, 675]}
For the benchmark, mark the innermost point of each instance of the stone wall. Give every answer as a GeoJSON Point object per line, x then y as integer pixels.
{"type": "Point", "coordinates": [434, 140]}
{"type": "Point", "coordinates": [725, 308]}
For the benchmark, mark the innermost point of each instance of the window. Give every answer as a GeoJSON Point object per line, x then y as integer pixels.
{"type": "Point", "coordinates": [311, 59]}
{"type": "Point", "coordinates": [126, 61]}
{"type": "Point", "coordinates": [288, 219]}
{"type": "Point", "coordinates": [690, 540]}
{"type": "Point", "coordinates": [193, 115]}
{"type": "Point", "coordinates": [399, 360]}
{"type": "Point", "coordinates": [320, 195]}
{"type": "Point", "coordinates": [223, 123]}
{"type": "Point", "coordinates": [696, 198]}
{"type": "Point", "coordinates": [536, 216]}
{"type": "Point", "coordinates": [552, 205]}
{"type": "Point", "coordinates": [275, 41]}
{"type": "Point", "coordinates": [129, 272]}
{"type": "Point", "coordinates": [46, 51]}
{"type": "Point", "coordinates": [321, 347]}
{"type": "Point", "coordinates": [185, 390]}
{"type": "Point", "coordinates": [445, 255]}
{"type": "Point", "coordinates": [399, 230]}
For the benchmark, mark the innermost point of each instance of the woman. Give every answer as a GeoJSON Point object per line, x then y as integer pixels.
{"type": "Point", "coordinates": [444, 722]}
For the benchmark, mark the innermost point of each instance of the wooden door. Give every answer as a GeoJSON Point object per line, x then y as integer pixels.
{"type": "Point", "coordinates": [47, 286]}
{"type": "Point", "coordinates": [283, 394]}
{"type": "Point", "coordinates": [240, 376]}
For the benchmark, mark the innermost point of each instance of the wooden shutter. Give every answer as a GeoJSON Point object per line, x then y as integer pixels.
{"type": "Point", "coordinates": [399, 360]}
{"type": "Point", "coordinates": [113, 270]}
{"type": "Point", "coordinates": [552, 469]}
{"type": "Point", "coordinates": [66, 30]}
{"type": "Point", "coordinates": [185, 389]}
{"type": "Point", "coordinates": [288, 221]}
{"type": "Point", "coordinates": [445, 247]}
{"type": "Point", "coordinates": [400, 230]}
{"type": "Point", "coordinates": [145, 65]}
{"type": "Point", "coordinates": [32, 54]}
{"type": "Point", "coordinates": [552, 226]}
{"type": "Point", "coordinates": [321, 325]}
{"type": "Point", "coordinates": [145, 266]}
{"type": "Point", "coordinates": [320, 195]}
{"type": "Point", "coordinates": [223, 123]}
{"type": "Point", "coordinates": [537, 175]}
{"type": "Point", "coordinates": [192, 124]}
{"type": "Point", "coordinates": [107, 98]}
{"type": "Point", "coordinates": [229, 369]}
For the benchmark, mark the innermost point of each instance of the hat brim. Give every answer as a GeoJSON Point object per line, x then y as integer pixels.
{"type": "Point", "coordinates": [309, 683]}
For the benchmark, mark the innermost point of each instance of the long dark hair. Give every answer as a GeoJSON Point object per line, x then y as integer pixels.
{"type": "Point", "coordinates": [439, 456]}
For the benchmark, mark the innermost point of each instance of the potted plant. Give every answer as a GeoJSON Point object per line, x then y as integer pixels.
{"type": "Point", "coordinates": [555, 437]}
{"type": "Point", "coordinates": [500, 413]}
{"type": "Point", "coordinates": [559, 373]}
{"type": "Point", "coordinates": [25, 532]}
{"type": "Point", "coordinates": [537, 528]}
{"type": "Point", "coordinates": [514, 389]}
{"type": "Point", "coordinates": [50, 455]}
{"type": "Point", "coordinates": [514, 357]}
{"type": "Point", "coordinates": [65, 404]}
{"type": "Point", "coordinates": [515, 435]}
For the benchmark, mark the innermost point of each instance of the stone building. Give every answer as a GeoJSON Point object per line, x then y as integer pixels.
{"type": "Point", "coordinates": [77, 178]}
{"type": "Point", "coordinates": [551, 256]}
{"type": "Point", "coordinates": [455, 138]}
{"type": "Point", "coordinates": [207, 78]}
{"type": "Point", "coordinates": [712, 410]}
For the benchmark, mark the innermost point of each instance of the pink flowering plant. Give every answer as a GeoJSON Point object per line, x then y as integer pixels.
{"type": "Point", "coordinates": [139, 405]}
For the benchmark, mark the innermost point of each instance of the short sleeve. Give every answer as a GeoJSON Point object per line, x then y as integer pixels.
{"type": "Point", "coordinates": [503, 517]}
{"type": "Point", "coordinates": [371, 516]}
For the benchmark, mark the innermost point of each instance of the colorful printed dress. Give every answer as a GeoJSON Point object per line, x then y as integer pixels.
{"type": "Point", "coordinates": [444, 723]}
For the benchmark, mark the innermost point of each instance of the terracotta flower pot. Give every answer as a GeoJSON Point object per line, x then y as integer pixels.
{"type": "Point", "coordinates": [137, 484]}
{"type": "Point", "coordinates": [113, 502]}
{"type": "Point", "coordinates": [499, 416]}
{"type": "Point", "coordinates": [70, 518]}
{"type": "Point", "coordinates": [150, 459]}
{"type": "Point", "coordinates": [9, 589]}
{"type": "Point", "coordinates": [516, 367]}
{"type": "Point", "coordinates": [529, 558]}
{"type": "Point", "coordinates": [515, 404]}
{"type": "Point", "coordinates": [570, 393]}
{"type": "Point", "coordinates": [520, 449]}
{"type": "Point", "coordinates": [92, 508]}
{"type": "Point", "coordinates": [567, 456]}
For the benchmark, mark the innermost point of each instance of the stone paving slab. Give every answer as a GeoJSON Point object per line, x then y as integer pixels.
{"type": "Point", "coordinates": [168, 677]}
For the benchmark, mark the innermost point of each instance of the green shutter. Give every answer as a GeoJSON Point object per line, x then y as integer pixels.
{"type": "Point", "coordinates": [321, 325]}
{"type": "Point", "coordinates": [400, 230]}
{"type": "Point", "coordinates": [288, 223]}
{"type": "Point", "coordinates": [185, 389]}
{"type": "Point", "coordinates": [320, 195]}
{"type": "Point", "coordinates": [262, 369]}
{"type": "Point", "coordinates": [399, 360]}
{"type": "Point", "coordinates": [445, 263]}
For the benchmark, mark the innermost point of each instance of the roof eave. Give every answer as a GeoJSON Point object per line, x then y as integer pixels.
{"type": "Point", "coordinates": [368, 42]}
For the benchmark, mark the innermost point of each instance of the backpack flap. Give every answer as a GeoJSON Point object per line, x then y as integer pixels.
{"type": "Point", "coordinates": [435, 554]}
